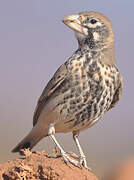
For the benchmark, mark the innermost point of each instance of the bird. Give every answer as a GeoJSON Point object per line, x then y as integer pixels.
{"type": "Point", "coordinates": [82, 90]}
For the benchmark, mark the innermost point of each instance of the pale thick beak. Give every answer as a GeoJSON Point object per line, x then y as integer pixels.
{"type": "Point", "coordinates": [73, 21]}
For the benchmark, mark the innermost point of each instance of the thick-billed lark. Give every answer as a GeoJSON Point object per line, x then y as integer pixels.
{"type": "Point", "coordinates": [86, 86]}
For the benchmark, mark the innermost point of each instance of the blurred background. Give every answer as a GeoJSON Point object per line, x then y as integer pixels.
{"type": "Point", "coordinates": [33, 44]}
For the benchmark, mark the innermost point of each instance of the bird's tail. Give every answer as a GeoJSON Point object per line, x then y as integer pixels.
{"type": "Point", "coordinates": [30, 140]}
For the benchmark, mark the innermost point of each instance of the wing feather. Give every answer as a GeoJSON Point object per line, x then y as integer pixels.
{"type": "Point", "coordinates": [118, 93]}
{"type": "Point", "coordinates": [58, 78]}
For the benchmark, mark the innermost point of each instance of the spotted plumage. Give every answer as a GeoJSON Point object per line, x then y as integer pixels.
{"type": "Point", "coordinates": [88, 91]}
{"type": "Point", "coordinates": [86, 86]}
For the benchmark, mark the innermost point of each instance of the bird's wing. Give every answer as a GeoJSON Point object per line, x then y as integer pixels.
{"type": "Point", "coordinates": [118, 93]}
{"type": "Point", "coordinates": [58, 78]}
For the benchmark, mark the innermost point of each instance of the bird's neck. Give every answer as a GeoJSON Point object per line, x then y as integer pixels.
{"type": "Point", "coordinates": [104, 52]}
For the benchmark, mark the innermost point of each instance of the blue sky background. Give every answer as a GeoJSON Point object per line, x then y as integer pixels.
{"type": "Point", "coordinates": [33, 44]}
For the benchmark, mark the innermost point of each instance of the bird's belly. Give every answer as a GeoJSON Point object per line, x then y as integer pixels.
{"type": "Point", "coordinates": [83, 109]}
{"type": "Point", "coordinates": [80, 102]}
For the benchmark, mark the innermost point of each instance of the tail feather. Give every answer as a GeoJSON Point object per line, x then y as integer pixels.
{"type": "Point", "coordinates": [30, 140]}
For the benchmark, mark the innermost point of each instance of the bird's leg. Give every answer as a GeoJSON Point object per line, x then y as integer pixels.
{"type": "Point", "coordinates": [82, 155]}
{"type": "Point", "coordinates": [66, 158]}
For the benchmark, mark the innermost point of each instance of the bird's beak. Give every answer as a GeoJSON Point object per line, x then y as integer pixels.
{"type": "Point", "coordinates": [74, 22]}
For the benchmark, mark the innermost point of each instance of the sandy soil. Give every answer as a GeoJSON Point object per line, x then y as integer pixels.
{"type": "Point", "coordinates": [37, 166]}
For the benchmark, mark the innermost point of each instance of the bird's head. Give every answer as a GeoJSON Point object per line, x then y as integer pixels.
{"type": "Point", "coordinates": [92, 29]}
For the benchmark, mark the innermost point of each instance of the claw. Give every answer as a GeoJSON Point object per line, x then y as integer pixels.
{"type": "Point", "coordinates": [84, 163]}
{"type": "Point", "coordinates": [66, 158]}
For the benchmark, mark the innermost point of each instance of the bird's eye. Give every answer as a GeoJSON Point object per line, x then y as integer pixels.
{"type": "Point", "coordinates": [93, 21]}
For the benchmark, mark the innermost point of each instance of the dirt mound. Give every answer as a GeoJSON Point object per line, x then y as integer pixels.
{"type": "Point", "coordinates": [37, 166]}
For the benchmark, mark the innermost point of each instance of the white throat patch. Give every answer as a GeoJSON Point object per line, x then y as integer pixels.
{"type": "Point", "coordinates": [96, 36]}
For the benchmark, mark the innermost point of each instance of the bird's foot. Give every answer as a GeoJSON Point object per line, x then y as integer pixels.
{"type": "Point", "coordinates": [66, 158]}
{"type": "Point", "coordinates": [84, 163]}
{"type": "Point", "coordinates": [72, 154]}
